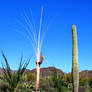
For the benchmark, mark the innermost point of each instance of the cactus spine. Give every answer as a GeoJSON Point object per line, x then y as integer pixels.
{"type": "Point", "coordinates": [75, 66]}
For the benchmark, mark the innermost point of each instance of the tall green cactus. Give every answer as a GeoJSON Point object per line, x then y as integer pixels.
{"type": "Point", "coordinates": [75, 66]}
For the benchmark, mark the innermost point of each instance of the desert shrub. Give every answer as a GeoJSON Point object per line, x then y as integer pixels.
{"type": "Point", "coordinates": [12, 79]}
{"type": "Point", "coordinates": [83, 79]}
{"type": "Point", "coordinates": [90, 82]}
{"type": "Point", "coordinates": [23, 90]}
{"type": "Point", "coordinates": [1, 76]}
{"type": "Point", "coordinates": [28, 85]}
{"type": "Point", "coordinates": [44, 84]}
{"type": "Point", "coordinates": [68, 81]}
{"type": "Point", "coordinates": [68, 78]}
{"type": "Point", "coordinates": [30, 76]}
{"type": "Point", "coordinates": [90, 90]}
{"type": "Point", "coordinates": [4, 87]}
{"type": "Point", "coordinates": [59, 82]}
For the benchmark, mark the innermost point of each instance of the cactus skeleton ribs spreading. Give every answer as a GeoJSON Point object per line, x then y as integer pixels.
{"type": "Point", "coordinates": [36, 40]}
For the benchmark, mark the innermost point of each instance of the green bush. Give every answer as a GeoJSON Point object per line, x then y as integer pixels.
{"type": "Point", "coordinates": [59, 82]}
{"type": "Point", "coordinates": [90, 82]}
{"type": "Point", "coordinates": [12, 79]}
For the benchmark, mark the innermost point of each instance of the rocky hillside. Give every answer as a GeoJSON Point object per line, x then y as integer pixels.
{"type": "Point", "coordinates": [47, 72]}
{"type": "Point", "coordinates": [86, 73]}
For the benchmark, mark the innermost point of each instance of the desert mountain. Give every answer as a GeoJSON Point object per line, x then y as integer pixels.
{"type": "Point", "coordinates": [46, 72]}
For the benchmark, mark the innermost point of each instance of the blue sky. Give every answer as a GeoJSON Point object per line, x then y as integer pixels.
{"type": "Point", "coordinates": [57, 45]}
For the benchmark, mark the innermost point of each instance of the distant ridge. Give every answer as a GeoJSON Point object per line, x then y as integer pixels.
{"type": "Point", "coordinates": [46, 72]}
{"type": "Point", "coordinates": [49, 71]}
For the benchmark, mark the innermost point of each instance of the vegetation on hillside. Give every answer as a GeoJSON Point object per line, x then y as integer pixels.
{"type": "Point", "coordinates": [55, 83]}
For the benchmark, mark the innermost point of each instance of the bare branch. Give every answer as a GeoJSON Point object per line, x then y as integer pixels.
{"type": "Point", "coordinates": [28, 38]}
{"type": "Point", "coordinates": [27, 20]}
{"type": "Point", "coordinates": [40, 26]}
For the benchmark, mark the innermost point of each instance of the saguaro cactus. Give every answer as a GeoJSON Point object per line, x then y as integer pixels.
{"type": "Point", "coordinates": [75, 66]}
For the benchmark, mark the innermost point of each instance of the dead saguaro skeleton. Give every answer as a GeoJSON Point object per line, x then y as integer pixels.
{"type": "Point", "coordinates": [38, 72]}
{"type": "Point", "coordinates": [35, 40]}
